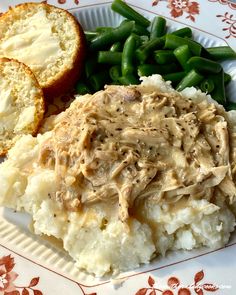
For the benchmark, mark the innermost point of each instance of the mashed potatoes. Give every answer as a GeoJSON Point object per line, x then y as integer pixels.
{"type": "Point", "coordinates": [127, 174]}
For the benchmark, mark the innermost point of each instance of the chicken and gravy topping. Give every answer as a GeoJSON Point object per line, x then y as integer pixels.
{"type": "Point", "coordinates": [125, 144]}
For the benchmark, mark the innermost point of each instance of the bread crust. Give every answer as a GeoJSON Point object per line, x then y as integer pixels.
{"type": "Point", "coordinates": [66, 79]}
{"type": "Point", "coordinates": [39, 103]}
{"type": "Point", "coordinates": [69, 76]}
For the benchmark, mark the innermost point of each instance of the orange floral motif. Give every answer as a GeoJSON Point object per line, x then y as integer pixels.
{"type": "Point", "coordinates": [64, 1]}
{"type": "Point", "coordinates": [230, 22]}
{"type": "Point", "coordinates": [7, 277]}
{"type": "Point", "coordinates": [230, 3]}
{"type": "Point", "coordinates": [175, 288]}
{"type": "Point", "coordinates": [179, 7]}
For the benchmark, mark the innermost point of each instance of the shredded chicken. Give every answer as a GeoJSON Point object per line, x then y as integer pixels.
{"type": "Point", "coordinates": [129, 143]}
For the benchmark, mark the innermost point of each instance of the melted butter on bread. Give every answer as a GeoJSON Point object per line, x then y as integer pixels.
{"type": "Point", "coordinates": [25, 118]}
{"type": "Point", "coordinates": [34, 43]}
{"type": "Point", "coordinates": [13, 118]}
{"type": "Point", "coordinates": [21, 102]}
{"type": "Point", "coordinates": [47, 39]}
{"type": "Point", "coordinates": [5, 101]}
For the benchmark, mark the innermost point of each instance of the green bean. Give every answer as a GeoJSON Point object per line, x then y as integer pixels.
{"type": "Point", "coordinates": [230, 106]}
{"type": "Point", "coordinates": [90, 35]}
{"type": "Point", "coordinates": [168, 68]}
{"type": "Point", "coordinates": [82, 88]}
{"type": "Point", "coordinates": [164, 56]}
{"type": "Point", "coordinates": [108, 38]}
{"type": "Point", "coordinates": [205, 53]}
{"type": "Point", "coordinates": [183, 54]}
{"type": "Point", "coordinates": [218, 93]}
{"type": "Point", "coordinates": [131, 44]}
{"type": "Point", "coordinates": [99, 79]}
{"type": "Point", "coordinates": [146, 50]}
{"type": "Point", "coordinates": [128, 80]}
{"type": "Point", "coordinates": [115, 83]}
{"type": "Point", "coordinates": [184, 32]}
{"type": "Point", "coordinates": [125, 10]}
{"type": "Point", "coordinates": [172, 42]}
{"type": "Point", "coordinates": [192, 78]}
{"type": "Point", "coordinates": [115, 73]}
{"type": "Point", "coordinates": [144, 39]}
{"type": "Point", "coordinates": [116, 47]}
{"type": "Point", "coordinates": [150, 69]}
{"type": "Point", "coordinates": [90, 66]}
{"type": "Point", "coordinates": [109, 57]}
{"type": "Point", "coordinates": [158, 27]}
{"type": "Point", "coordinates": [138, 29]}
{"type": "Point", "coordinates": [139, 40]}
{"type": "Point", "coordinates": [207, 85]}
{"type": "Point", "coordinates": [221, 52]}
{"type": "Point", "coordinates": [127, 64]}
{"type": "Point", "coordinates": [227, 78]}
{"type": "Point", "coordinates": [104, 29]}
{"type": "Point", "coordinates": [175, 78]}
{"type": "Point", "coordinates": [204, 65]}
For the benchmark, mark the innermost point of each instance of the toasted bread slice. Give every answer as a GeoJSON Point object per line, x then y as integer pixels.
{"type": "Point", "coordinates": [47, 39]}
{"type": "Point", "coordinates": [21, 102]}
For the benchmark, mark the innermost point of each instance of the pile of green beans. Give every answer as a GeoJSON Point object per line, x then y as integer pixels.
{"type": "Point", "coordinates": [138, 47]}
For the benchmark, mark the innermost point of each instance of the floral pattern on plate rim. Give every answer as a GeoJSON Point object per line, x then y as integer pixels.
{"type": "Point", "coordinates": [8, 277]}
{"type": "Point", "coordinates": [172, 287]}
{"type": "Point", "coordinates": [230, 24]}
{"type": "Point", "coordinates": [230, 3]}
{"type": "Point", "coordinates": [8, 286]}
{"type": "Point", "coordinates": [179, 7]}
{"type": "Point", "coordinates": [192, 9]}
{"type": "Point", "coordinates": [175, 286]}
{"type": "Point", "coordinates": [64, 1]}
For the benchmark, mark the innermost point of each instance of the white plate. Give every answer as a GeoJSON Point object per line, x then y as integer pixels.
{"type": "Point", "coordinates": [213, 23]}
